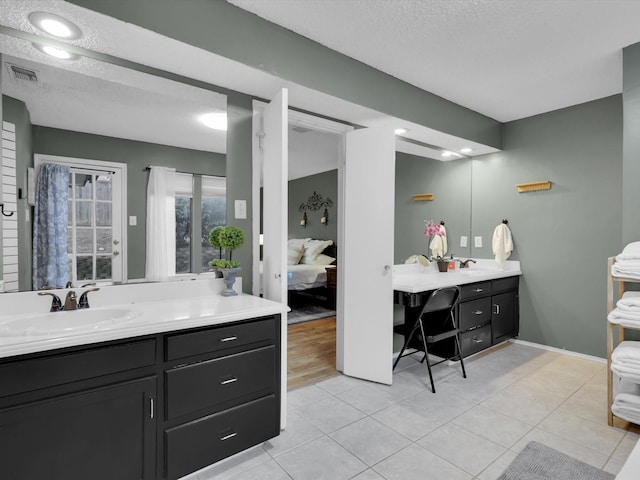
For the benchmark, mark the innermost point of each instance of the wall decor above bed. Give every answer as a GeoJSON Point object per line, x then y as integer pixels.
{"type": "Point", "coordinates": [315, 203]}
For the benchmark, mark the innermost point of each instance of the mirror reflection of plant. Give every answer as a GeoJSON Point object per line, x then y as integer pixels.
{"type": "Point", "coordinates": [228, 238]}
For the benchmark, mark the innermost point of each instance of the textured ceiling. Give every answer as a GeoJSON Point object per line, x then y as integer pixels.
{"type": "Point", "coordinates": [506, 59]}
{"type": "Point", "coordinates": [115, 101]}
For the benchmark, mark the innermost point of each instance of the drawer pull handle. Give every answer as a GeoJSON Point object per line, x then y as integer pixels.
{"type": "Point", "coordinates": [228, 436]}
{"type": "Point", "coordinates": [477, 340]}
{"type": "Point", "coordinates": [229, 339]}
{"type": "Point", "coordinates": [477, 312]}
{"type": "Point", "coordinates": [228, 381]}
{"type": "Point", "coordinates": [477, 290]}
{"type": "Point", "coordinates": [497, 312]}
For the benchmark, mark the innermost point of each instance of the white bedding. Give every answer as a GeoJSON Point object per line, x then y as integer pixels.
{"type": "Point", "coordinates": [303, 276]}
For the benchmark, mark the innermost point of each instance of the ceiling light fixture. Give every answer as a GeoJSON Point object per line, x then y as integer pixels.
{"type": "Point", "coordinates": [466, 150]}
{"type": "Point", "coordinates": [400, 131]}
{"type": "Point", "coordinates": [55, 52]}
{"type": "Point", "coordinates": [55, 25]}
{"type": "Point", "coordinates": [216, 120]}
{"type": "Point", "coordinates": [447, 154]}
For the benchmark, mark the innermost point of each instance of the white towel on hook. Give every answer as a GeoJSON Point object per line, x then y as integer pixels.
{"type": "Point", "coordinates": [438, 244]}
{"type": "Point", "coordinates": [502, 244]}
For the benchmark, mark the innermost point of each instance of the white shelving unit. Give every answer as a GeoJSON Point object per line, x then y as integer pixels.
{"type": "Point", "coordinates": [612, 339]}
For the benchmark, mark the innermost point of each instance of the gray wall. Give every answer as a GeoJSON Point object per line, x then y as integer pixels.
{"type": "Point", "coordinates": [631, 142]}
{"type": "Point", "coordinates": [137, 155]}
{"type": "Point", "coordinates": [562, 237]}
{"type": "Point", "coordinates": [450, 182]}
{"type": "Point", "coordinates": [325, 184]}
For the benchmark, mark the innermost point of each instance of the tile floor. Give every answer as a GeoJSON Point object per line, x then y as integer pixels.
{"type": "Point", "coordinates": [344, 428]}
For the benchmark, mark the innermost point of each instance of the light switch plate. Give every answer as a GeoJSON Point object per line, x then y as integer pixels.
{"type": "Point", "coordinates": [477, 241]}
{"type": "Point", "coordinates": [133, 221]}
{"type": "Point", "coordinates": [241, 209]}
{"type": "Point", "coordinates": [463, 241]}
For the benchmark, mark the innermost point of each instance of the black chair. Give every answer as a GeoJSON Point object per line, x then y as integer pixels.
{"type": "Point", "coordinates": [434, 324]}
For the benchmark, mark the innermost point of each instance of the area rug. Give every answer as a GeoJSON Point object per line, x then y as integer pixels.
{"type": "Point", "coordinates": [539, 462]}
{"type": "Point", "coordinates": [306, 313]}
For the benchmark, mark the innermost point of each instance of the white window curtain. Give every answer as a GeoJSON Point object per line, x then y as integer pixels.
{"type": "Point", "coordinates": [161, 224]}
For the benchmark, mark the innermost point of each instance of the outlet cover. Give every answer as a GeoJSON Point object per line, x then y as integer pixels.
{"type": "Point", "coordinates": [241, 209]}
{"type": "Point", "coordinates": [463, 241]}
{"type": "Point", "coordinates": [477, 242]}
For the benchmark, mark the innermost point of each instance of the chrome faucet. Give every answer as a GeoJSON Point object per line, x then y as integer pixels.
{"type": "Point", "coordinates": [71, 302]}
{"type": "Point", "coordinates": [465, 264]}
{"type": "Point", "coordinates": [56, 304]}
{"type": "Point", "coordinates": [84, 299]}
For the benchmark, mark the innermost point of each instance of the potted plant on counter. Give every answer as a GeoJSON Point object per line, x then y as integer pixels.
{"type": "Point", "coordinates": [227, 238]}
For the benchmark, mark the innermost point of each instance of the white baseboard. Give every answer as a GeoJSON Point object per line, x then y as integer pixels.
{"type": "Point", "coordinates": [558, 350]}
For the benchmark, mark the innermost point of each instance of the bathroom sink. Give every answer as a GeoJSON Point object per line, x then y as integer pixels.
{"type": "Point", "coordinates": [65, 322]}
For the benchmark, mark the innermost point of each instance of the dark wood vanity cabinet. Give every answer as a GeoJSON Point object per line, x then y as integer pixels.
{"type": "Point", "coordinates": [153, 407]}
{"type": "Point", "coordinates": [487, 313]}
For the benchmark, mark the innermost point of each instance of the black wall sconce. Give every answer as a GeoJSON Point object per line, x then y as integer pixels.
{"type": "Point", "coordinates": [325, 217]}
{"type": "Point", "coordinates": [314, 203]}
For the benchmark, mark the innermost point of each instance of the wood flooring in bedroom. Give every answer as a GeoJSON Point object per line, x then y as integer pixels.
{"type": "Point", "coordinates": [311, 352]}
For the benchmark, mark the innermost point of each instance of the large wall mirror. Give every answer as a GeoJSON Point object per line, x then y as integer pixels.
{"type": "Point", "coordinates": [85, 109]}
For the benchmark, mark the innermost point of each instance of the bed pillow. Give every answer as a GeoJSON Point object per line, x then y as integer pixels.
{"type": "Point", "coordinates": [295, 250]}
{"type": "Point", "coordinates": [313, 248]}
{"type": "Point", "coordinates": [323, 259]}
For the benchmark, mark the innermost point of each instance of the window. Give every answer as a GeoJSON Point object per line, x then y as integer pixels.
{"type": "Point", "coordinates": [200, 205]}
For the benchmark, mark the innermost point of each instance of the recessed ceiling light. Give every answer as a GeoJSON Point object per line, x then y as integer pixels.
{"type": "Point", "coordinates": [400, 131]}
{"type": "Point", "coordinates": [56, 52]}
{"type": "Point", "coordinates": [55, 25]}
{"type": "Point", "coordinates": [466, 150]}
{"type": "Point", "coordinates": [216, 121]}
{"type": "Point", "coordinates": [447, 153]}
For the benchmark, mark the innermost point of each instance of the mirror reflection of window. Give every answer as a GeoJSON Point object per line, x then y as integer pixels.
{"type": "Point", "coordinates": [90, 226]}
{"type": "Point", "coordinates": [211, 199]}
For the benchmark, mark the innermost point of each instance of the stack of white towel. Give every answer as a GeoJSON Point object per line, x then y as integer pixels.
{"type": "Point", "coordinates": [627, 311]}
{"type": "Point", "coordinates": [625, 363]}
{"type": "Point", "coordinates": [628, 262]}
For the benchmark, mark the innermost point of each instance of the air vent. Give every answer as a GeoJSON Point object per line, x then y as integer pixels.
{"type": "Point", "coordinates": [300, 129]}
{"type": "Point", "coordinates": [20, 73]}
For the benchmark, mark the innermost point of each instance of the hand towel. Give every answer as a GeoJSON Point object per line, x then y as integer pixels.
{"type": "Point", "coordinates": [626, 350]}
{"type": "Point", "coordinates": [632, 373]}
{"type": "Point", "coordinates": [626, 412]}
{"type": "Point", "coordinates": [629, 300]}
{"type": "Point", "coordinates": [626, 268]}
{"type": "Point", "coordinates": [630, 252]}
{"type": "Point", "coordinates": [438, 244]}
{"type": "Point", "coordinates": [502, 244]}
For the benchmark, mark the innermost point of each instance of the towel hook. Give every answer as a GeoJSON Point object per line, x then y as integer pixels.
{"type": "Point", "coordinates": [441, 222]}
{"type": "Point", "coordinates": [3, 212]}
{"type": "Point", "coordinates": [505, 221]}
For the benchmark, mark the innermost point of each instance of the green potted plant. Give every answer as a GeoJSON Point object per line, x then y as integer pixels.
{"type": "Point", "coordinates": [227, 238]}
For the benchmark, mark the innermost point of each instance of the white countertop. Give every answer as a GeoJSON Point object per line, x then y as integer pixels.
{"type": "Point", "coordinates": [153, 308]}
{"type": "Point", "coordinates": [415, 278]}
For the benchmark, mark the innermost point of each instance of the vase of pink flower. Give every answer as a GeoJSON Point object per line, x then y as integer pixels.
{"type": "Point", "coordinates": [431, 230]}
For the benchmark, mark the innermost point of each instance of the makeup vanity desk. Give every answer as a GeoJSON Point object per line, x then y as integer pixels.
{"type": "Point", "coordinates": [488, 309]}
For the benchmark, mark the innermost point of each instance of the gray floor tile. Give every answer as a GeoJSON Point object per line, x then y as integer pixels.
{"type": "Point", "coordinates": [368, 398]}
{"type": "Point", "coordinates": [298, 432]}
{"type": "Point", "coordinates": [234, 465]}
{"type": "Point", "coordinates": [330, 414]}
{"type": "Point", "coordinates": [340, 384]}
{"type": "Point", "coordinates": [369, 440]}
{"type": "Point", "coordinates": [265, 471]}
{"type": "Point", "coordinates": [446, 403]}
{"type": "Point", "coordinates": [416, 462]}
{"type": "Point", "coordinates": [304, 396]}
{"type": "Point", "coordinates": [492, 425]}
{"type": "Point", "coordinates": [468, 451]}
{"type": "Point", "coordinates": [410, 420]}
{"type": "Point", "coordinates": [494, 470]}
{"type": "Point", "coordinates": [368, 475]}
{"type": "Point", "coordinates": [321, 459]}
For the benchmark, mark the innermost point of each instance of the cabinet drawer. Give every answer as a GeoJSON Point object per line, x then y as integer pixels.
{"type": "Point", "coordinates": [505, 284]}
{"type": "Point", "coordinates": [475, 340]}
{"type": "Point", "coordinates": [204, 441]}
{"type": "Point", "coordinates": [474, 290]}
{"type": "Point", "coordinates": [62, 368]}
{"type": "Point", "coordinates": [216, 382]}
{"type": "Point", "coordinates": [220, 338]}
{"type": "Point", "coordinates": [474, 313]}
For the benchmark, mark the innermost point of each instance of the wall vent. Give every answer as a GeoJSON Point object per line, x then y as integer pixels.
{"type": "Point", "coordinates": [20, 73]}
{"type": "Point", "coordinates": [299, 129]}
